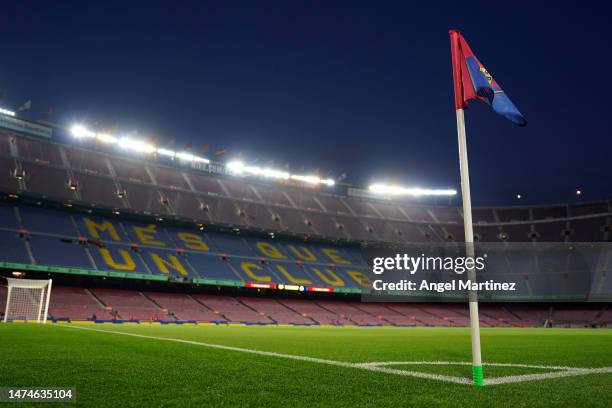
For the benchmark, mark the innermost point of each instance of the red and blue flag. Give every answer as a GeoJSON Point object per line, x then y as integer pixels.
{"type": "Point", "coordinates": [473, 81]}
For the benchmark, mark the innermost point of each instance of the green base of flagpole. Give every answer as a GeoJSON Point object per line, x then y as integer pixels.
{"type": "Point", "coordinates": [478, 376]}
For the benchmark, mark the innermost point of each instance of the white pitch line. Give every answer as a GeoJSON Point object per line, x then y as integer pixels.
{"type": "Point", "coordinates": [465, 363]}
{"type": "Point", "coordinates": [561, 371]}
{"type": "Point", "coordinates": [416, 374]}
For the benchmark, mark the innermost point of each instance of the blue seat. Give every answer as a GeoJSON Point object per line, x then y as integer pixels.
{"type": "Point", "coordinates": [12, 248]}
{"type": "Point", "coordinates": [49, 250]}
{"type": "Point", "coordinates": [7, 216]}
{"type": "Point", "coordinates": [49, 221]}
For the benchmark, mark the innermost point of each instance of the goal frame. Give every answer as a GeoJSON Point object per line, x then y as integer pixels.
{"type": "Point", "coordinates": [43, 303]}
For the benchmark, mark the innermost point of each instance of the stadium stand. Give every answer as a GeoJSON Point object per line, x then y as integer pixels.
{"type": "Point", "coordinates": [109, 181]}
{"type": "Point", "coordinates": [275, 311]}
{"type": "Point", "coordinates": [315, 312]}
{"type": "Point", "coordinates": [184, 307]}
{"type": "Point", "coordinates": [76, 303]}
{"type": "Point", "coordinates": [233, 309]}
{"type": "Point", "coordinates": [384, 314]}
{"type": "Point", "coordinates": [103, 304]}
{"type": "Point", "coordinates": [129, 305]}
{"type": "Point", "coordinates": [349, 312]}
{"type": "Point", "coordinates": [418, 314]}
{"type": "Point", "coordinates": [196, 226]}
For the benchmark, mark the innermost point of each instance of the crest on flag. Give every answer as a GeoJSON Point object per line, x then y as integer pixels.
{"type": "Point", "coordinates": [473, 81]}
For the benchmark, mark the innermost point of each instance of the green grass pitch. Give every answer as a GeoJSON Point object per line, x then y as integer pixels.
{"type": "Point", "coordinates": [109, 369]}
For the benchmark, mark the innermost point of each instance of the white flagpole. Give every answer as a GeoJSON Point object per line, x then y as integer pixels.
{"type": "Point", "coordinates": [477, 372]}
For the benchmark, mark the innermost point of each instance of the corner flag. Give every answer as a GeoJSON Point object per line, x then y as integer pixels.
{"type": "Point", "coordinates": [473, 81]}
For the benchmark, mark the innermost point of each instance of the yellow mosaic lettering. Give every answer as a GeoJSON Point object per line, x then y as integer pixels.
{"type": "Point", "coordinates": [95, 229]}
{"type": "Point", "coordinates": [164, 265]}
{"type": "Point", "coordinates": [248, 267]}
{"type": "Point", "coordinates": [334, 256]}
{"type": "Point", "coordinates": [146, 235]}
{"type": "Point", "coordinates": [193, 241]}
{"type": "Point", "coordinates": [292, 278]}
{"type": "Point", "coordinates": [332, 279]}
{"type": "Point", "coordinates": [127, 265]}
{"type": "Point", "coordinates": [303, 253]}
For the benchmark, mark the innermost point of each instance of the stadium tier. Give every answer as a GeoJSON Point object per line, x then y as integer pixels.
{"type": "Point", "coordinates": [78, 242]}
{"type": "Point", "coordinates": [70, 173]}
{"type": "Point", "coordinates": [101, 304]}
{"type": "Point", "coordinates": [38, 236]}
{"type": "Point", "coordinates": [132, 218]}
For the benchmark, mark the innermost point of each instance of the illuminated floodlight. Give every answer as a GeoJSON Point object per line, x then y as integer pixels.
{"type": "Point", "coordinates": [81, 131]}
{"type": "Point", "coordinates": [200, 159]}
{"type": "Point", "coordinates": [185, 156]}
{"type": "Point", "coordinates": [237, 167]}
{"type": "Point", "coordinates": [106, 138]}
{"type": "Point", "coordinates": [312, 179]}
{"type": "Point", "coordinates": [410, 191]}
{"type": "Point", "coordinates": [271, 173]}
{"type": "Point", "coordinates": [136, 145]}
{"type": "Point", "coordinates": [166, 152]}
{"type": "Point", "coordinates": [190, 157]}
{"type": "Point", "coordinates": [7, 112]}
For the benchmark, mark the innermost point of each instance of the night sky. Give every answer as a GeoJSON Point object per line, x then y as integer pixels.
{"type": "Point", "coordinates": [341, 87]}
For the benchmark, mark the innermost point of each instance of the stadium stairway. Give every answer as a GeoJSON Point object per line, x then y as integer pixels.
{"type": "Point", "coordinates": [131, 305]}
{"type": "Point", "coordinates": [346, 311]}
{"type": "Point", "coordinates": [275, 311]}
{"type": "Point", "coordinates": [315, 312]}
{"type": "Point", "coordinates": [384, 313]}
{"type": "Point", "coordinates": [184, 307]}
{"type": "Point", "coordinates": [233, 310]}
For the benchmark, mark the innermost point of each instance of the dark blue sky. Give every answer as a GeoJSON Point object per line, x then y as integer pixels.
{"type": "Point", "coordinates": [343, 87]}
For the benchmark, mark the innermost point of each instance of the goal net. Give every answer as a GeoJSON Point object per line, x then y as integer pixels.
{"type": "Point", "coordinates": [27, 299]}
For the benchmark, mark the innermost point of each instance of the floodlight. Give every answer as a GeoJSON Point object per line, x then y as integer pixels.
{"type": "Point", "coordinates": [106, 138]}
{"type": "Point", "coordinates": [385, 189]}
{"type": "Point", "coordinates": [166, 152]}
{"type": "Point", "coordinates": [136, 145]}
{"type": "Point", "coordinates": [7, 112]}
{"type": "Point", "coordinates": [81, 131]}
{"type": "Point", "coordinates": [236, 167]}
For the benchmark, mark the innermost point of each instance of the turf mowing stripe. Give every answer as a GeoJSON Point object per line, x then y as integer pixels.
{"type": "Point", "coordinates": [560, 371]}
{"type": "Point", "coordinates": [406, 373]}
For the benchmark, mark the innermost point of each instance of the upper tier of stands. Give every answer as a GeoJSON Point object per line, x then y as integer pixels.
{"type": "Point", "coordinates": [70, 173]}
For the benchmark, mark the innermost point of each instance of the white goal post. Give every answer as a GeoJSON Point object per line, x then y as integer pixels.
{"type": "Point", "coordinates": [27, 299]}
